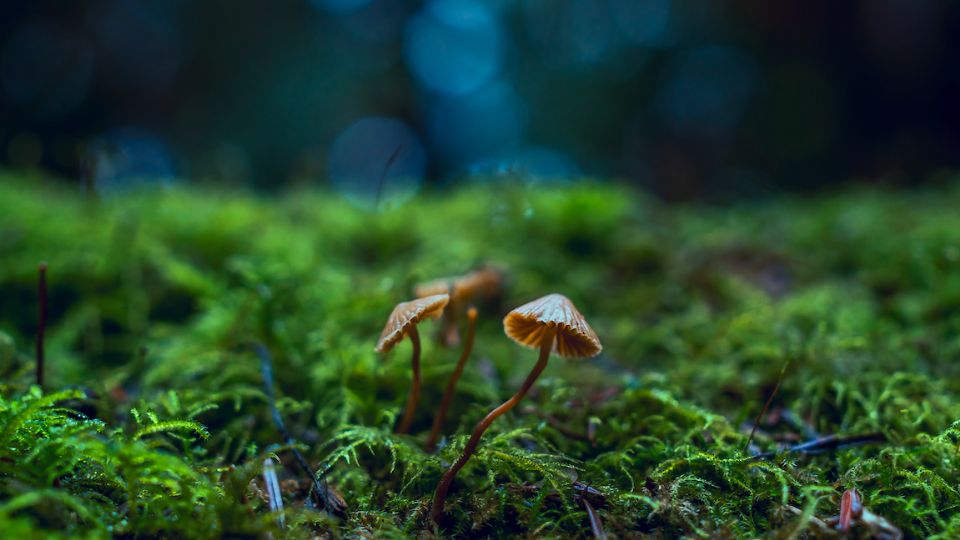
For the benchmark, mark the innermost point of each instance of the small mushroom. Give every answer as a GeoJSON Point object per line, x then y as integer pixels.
{"type": "Point", "coordinates": [484, 282]}
{"type": "Point", "coordinates": [403, 322]}
{"type": "Point", "coordinates": [551, 324]}
{"type": "Point", "coordinates": [452, 383]}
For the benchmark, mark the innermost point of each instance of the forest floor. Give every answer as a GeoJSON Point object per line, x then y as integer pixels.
{"type": "Point", "coordinates": [164, 308]}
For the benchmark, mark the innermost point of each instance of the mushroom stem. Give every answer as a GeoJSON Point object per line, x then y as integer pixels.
{"type": "Point", "coordinates": [452, 384]}
{"type": "Point", "coordinates": [414, 396]}
{"type": "Point", "coordinates": [546, 345]}
{"type": "Point", "coordinates": [450, 335]}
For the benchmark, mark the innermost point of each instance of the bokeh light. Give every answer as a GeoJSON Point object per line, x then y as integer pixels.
{"type": "Point", "coordinates": [381, 22]}
{"type": "Point", "coordinates": [532, 164]}
{"type": "Point", "coordinates": [377, 162]}
{"type": "Point", "coordinates": [671, 95]}
{"type": "Point", "coordinates": [338, 6]}
{"type": "Point", "coordinates": [475, 127]}
{"type": "Point", "coordinates": [129, 158]}
{"type": "Point", "coordinates": [645, 23]}
{"type": "Point", "coordinates": [454, 46]}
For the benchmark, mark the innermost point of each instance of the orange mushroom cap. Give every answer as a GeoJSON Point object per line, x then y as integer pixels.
{"type": "Point", "coordinates": [485, 281]}
{"type": "Point", "coordinates": [528, 323]}
{"type": "Point", "coordinates": [434, 287]}
{"type": "Point", "coordinates": [406, 315]}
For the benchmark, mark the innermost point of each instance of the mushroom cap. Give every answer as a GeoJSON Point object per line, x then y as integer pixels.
{"type": "Point", "coordinates": [485, 281]}
{"type": "Point", "coordinates": [528, 323]}
{"type": "Point", "coordinates": [406, 315]}
{"type": "Point", "coordinates": [434, 287]}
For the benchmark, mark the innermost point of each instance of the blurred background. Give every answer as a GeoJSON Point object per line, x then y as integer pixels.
{"type": "Point", "coordinates": [689, 99]}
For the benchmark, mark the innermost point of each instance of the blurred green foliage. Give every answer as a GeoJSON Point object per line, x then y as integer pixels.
{"type": "Point", "coordinates": [155, 422]}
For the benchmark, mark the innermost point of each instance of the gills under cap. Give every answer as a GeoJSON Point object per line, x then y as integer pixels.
{"type": "Point", "coordinates": [528, 324]}
{"type": "Point", "coordinates": [408, 314]}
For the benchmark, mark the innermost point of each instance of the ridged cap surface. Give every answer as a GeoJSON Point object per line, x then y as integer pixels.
{"type": "Point", "coordinates": [528, 323]}
{"type": "Point", "coordinates": [408, 314]}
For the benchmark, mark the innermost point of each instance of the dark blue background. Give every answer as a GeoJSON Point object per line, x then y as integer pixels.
{"type": "Point", "coordinates": [685, 97]}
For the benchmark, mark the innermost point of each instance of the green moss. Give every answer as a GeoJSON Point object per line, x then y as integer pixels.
{"type": "Point", "coordinates": [156, 424]}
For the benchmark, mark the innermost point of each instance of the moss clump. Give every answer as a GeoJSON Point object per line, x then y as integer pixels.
{"type": "Point", "coordinates": [156, 422]}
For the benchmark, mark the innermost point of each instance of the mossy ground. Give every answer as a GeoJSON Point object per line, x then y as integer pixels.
{"type": "Point", "coordinates": [154, 422]}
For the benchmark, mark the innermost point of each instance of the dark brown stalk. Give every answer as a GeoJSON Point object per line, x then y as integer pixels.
{"type": "Point", "coordinates": [452, 383]}
{"type": "Point", "coordinates": [763, 411]}
{"type": "Point", "coordinates": [546, 345]}
{"type": "Point", "coordinates": [414, 396]}
{"type": "Point", "coordinates": [851, 508]}
{"type": "Point", "coordinates": [42, 322]}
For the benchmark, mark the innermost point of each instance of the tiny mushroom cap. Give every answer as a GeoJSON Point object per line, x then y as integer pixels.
{"type": "Point", "coordinates": [528, 323]}
{"type": "Point", "coordinates": [486, 281]}
{"type": "Point", "coordinates": [406, 315]}
{"type": "Point", "coordinates": [434, 287]}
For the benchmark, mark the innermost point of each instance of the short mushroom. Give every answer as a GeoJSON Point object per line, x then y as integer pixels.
{"type": "Point", "coordinates": [452, 383]}
{"type": "Point", "coordinates": [551, 324]}
{"type": "Point", "coordinates": [403, 322]}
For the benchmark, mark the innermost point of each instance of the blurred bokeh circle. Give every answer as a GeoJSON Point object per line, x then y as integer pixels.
{"type": "Point", "coordinates": [127, 158]}
{"type": "Point", "coordinates": [484, 124]}
{"type": "Point", "coordinates": [377, 162]}
{"type": "Point", "coordinates": [453, 46]}
{"type": "Point", "coordinates": [338, 6]}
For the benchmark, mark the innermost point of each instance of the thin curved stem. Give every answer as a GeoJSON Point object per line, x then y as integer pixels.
{"type": "Point", "coordinates": [414, 396]}
{"type": "Point", "coordinates": [440, 495]}
{"type": "Point", "coordinates": [452, 384]}
{"type": "Point", "coordinates": [449, 331]}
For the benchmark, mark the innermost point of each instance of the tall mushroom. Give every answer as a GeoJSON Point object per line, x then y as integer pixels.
{"type": "Point", "coordinates": [402, 322]}
{"type": "Point", "coordinates": [452, 383]}
{"type": "Point", "coordinates": [551, 324]}
{"type": "Point", "coordinates": [484, 282]}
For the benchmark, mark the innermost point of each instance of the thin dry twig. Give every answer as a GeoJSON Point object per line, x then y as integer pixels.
{"type": "Point", "coordinates": [766, 405]}
{"type": "Point", "coordinates": [383, 175]}
{"type": "Point", "coordinates": [595, 524]}
{"type": "Point", "coordinates": [825, 444]}
{"type": "Point", "coordinates": [320, 488]}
